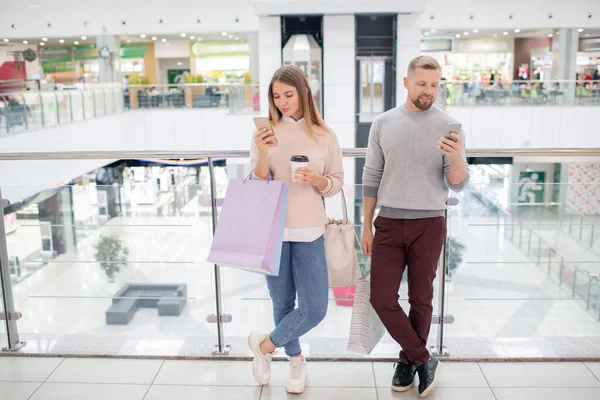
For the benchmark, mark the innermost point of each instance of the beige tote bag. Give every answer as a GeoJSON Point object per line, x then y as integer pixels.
{"type": "Point", "coordinates": [342, 261]}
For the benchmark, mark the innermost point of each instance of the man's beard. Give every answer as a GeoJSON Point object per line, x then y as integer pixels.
{"type": "Point", "coordinates": [423, 106]}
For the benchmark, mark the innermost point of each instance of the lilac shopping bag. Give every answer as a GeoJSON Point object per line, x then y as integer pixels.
{"type": "Point", "coordinates": [249, 232]}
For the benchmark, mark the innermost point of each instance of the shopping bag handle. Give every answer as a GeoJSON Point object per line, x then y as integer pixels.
{"type": "Point", "coordinates": [249, 177]}
{"type": "Point", "coordinates": [344, 206]}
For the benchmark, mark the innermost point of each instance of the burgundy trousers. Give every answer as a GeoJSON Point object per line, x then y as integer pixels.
{"type": "Point", "coordinates": [416, 245]}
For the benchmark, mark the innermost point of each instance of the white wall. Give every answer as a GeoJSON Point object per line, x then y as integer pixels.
{"type": "Point", "coordinates": [529, 126]}
{"type": "Point", "coordinates": [339, 93]}
{"type": "Point", "coordinates": [408, 46]}
{"type": "Point", "coordinates": [33, 69]}
{"type": "Point", "coordinates": [165, 64]}
{"type": "Point", "coordinates": [210, 129]}
{"type": "Point", "coordinates": [172, 49]}
{"type": "Point", "coordinates": [269, 55]}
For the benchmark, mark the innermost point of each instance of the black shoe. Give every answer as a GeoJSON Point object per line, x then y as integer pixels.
{"type": "Point", "coordinates": [427, 376]}
{"type": "Point", "coordinates": [404, 376]}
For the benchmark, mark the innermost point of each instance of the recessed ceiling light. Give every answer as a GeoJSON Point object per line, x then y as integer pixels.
{"type": "Point", "coordinates": [224, 34]}
{"type": "Point", "coordinates": [580, 30]}
{"type": "Point", "coordinates": [458, 35]}
{"type": "Point", "coordinates": [505, 33]}
{"type": "Point", "coordinates": [45, 39]}
{"type": "Point", "coordinates": [475, 30]}
{"type": "Point", "coordinates": [466, 33]}
{"type": "Point", "coordinates": [84, 38]}
{"type": "Point", "coordinates": [183, 35]}
{"type": "Point", "coordinates": [76, 43]}
{"type": "Point", "coordinates": [154, 38]}
{"type": "Point", "coordinates": [61, 41]}
{"type": "Point", "coordinates": [143, 36]}
{"type": "Point", "coordinates": [550, 35]}
{"type": "Point", "coordinates": [25, 42]}
{"type": "Point", "coordinates": [42, 44]}
{"type": "Point", "coordinates": [433, 30]}
{"type": "Point", "coordinates": [6, 40]}
{"type": "Point", "coordinates": [163, 40]}
{"type": "Point", "coordinates": [517, 30]}
{"type": "Point", "coordinates": [192, 37]}
{"type": "Point", "coordinates": [558, 32]}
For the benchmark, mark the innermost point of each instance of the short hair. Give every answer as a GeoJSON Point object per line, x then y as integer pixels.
{"type": "Point", "coordinates": [425, 62]}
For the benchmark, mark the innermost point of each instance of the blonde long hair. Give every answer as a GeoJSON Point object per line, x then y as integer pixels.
{"type": "Point", "coordinates": [293, 76]}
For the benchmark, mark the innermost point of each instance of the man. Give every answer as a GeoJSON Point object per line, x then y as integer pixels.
{"type": "Point", "coordinates": [412, 161]}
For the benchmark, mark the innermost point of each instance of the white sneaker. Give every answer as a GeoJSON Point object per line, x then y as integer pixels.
{"type": "Point", "coordinates": [261, 364]}
{"type": "Point", "coordinates": [296, 381]}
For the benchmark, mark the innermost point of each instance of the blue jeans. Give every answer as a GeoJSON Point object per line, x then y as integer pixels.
{"type": "Point", "coordinates": [303, 271]}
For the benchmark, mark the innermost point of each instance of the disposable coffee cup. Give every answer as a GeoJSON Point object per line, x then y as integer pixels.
{"type": "Point", "coordinates": [298, 162]}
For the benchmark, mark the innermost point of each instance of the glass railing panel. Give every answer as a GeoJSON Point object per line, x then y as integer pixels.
{"type": "Point", "coordinates": [76, 104]}
{"type": "Point", "coordinates": [99, 102]}
{"type": "Point", "coordinates": [115, 269]}
{"type": "Point", "coordinates": [522, 284]}
{"type": "Point", "coordinates": [520, 93]}
{"type": "Point", "coordinates": [49, 108]}
{"type": "Point", "coordinates": [89, 104]}
{"type": "Point", "coordinates": [244, 99]}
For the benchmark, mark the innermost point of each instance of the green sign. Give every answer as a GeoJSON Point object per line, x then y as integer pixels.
{"type": "Point", "coordinates": [133, 50]}
{"type": "Point", "coordinates": [57, 59]}
{"type": "Point", "coordinates": [86, 52]}
{"type": "Point", "coordinates": [531, 187]}
{"type": "Point", "coordinates": [176, 75]}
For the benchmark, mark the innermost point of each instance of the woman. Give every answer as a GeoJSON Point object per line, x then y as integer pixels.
{"type": "Point", "coordinates": [298, 130]}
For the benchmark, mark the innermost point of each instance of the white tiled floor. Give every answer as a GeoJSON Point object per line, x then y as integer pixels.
{"type": "Point", "coordinates": [26, 378]}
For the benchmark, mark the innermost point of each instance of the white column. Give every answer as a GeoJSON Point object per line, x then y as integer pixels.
{"type": "Point", "coordinates": [269, 56]}
{"type": "Point", "coordinates": [110, 68]}
{"type": "Point", "coordinates": [408, 47]}
{"type": "Point", "coordinates": [253, 55]}
{"type": "Point", "coordinates": [564, 59]}
{"type": "Point", "coordinates": [339, 94]}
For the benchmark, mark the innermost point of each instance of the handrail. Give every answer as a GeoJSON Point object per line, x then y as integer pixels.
{"type": "Point", "coordinates": [349, 152]}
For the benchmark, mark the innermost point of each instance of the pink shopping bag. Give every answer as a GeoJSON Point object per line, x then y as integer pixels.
{"type": "Point", "coordinates": [249, 232]}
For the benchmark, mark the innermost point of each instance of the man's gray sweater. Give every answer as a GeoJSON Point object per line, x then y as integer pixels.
{"type": "Point", "coordinates": [404, 169]}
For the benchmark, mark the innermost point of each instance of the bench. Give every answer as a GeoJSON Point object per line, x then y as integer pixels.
{"type": "Point", "coordinates": [121, 312]}
{"type": "Point", "coordinates": [169, 299]}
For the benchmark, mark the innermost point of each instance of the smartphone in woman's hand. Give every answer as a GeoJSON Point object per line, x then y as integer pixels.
{"type": "Point", "coordinates": [263, 122]}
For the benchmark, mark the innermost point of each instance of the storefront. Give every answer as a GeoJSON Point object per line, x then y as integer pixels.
{"type": "Point", "coordinates": [471, 59]}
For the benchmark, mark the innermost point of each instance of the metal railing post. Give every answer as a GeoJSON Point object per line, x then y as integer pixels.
{"type": "Point", "coordinates": [6, 117]}
{"type": "Point", "coordinates": [25, 114]}
{"type": "Point", "coordinates": [574, 281]}
{"type": "Point", "coordinates": [42, 109]}
{"type": "Point", "coordinates": [57, 108]}
{"type": "Point", "coordinates": [70, 106]}
{"type": "Point", "coordinates": [9, 314]}
{"type": "Point", "coordinates": [439, 348]}
{"type": "Point", "coordinates": [94, 99]}
{"type": "Point", "coordinates": [83, 103]}
{"type": "Point", "coordinates": [221, 348]}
